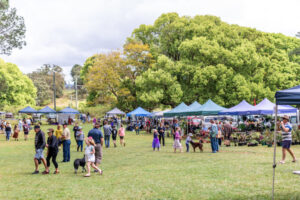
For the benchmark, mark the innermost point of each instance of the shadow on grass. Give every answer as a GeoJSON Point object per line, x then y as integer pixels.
{"type": "Point", "coordinates": [281, 196]}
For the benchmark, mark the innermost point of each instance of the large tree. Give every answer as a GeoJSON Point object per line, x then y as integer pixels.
{"type": "Point", "coordinates": [15, 88]}
{"type": "Point", "coordinates": [12, 29]}
{"type": "Point", "coordinates": [43, 81]}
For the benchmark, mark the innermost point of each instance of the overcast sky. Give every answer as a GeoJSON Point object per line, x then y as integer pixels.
{"type": "Point", "coordinates": [66, 32]}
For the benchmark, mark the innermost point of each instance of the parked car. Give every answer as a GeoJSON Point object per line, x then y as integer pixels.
{"type": "Point", "coordinates": [9, 115]}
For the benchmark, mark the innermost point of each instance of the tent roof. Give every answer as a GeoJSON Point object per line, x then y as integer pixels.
{"type": "Point", "coordinates": [140, 112]}
{"type": "Point", "coordinates": [243, 108]}
{"type": "Point", "coordinates": [266, 107]}
{"type": "Point", "coordinates": [195, 105]}
{"type": "Point", "coordinates": [208, 108]}
{"type": "Point", "coordinates": [179, 110]}
{"type": "Point", "coordinates": [28, 109]}
{"type": "Point", "coordinates": [115, 111]}
{"type": "Point", "coordinates": [160, 113]}
{"type": "Point", "coordinates": [289, 96]}
{"type": "Point", "coordinates": [47, 109]}
{"type": "Point", "coordinates": [69, 110]}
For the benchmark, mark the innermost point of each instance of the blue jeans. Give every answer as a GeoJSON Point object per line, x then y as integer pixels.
{"type": "Point", "coordinates": [79, 145]}
{"type": "Point", "coordinates": [8, 135]}
{"type": "Point", "coordinates": [214, 144]}
{"type": "Point", "coordinates": [107, 138]}
{"type": "Point", "coordinates": [187, 147]}
{"type": "Point", "coordinates": [137, 131]}
{"type": "Point", "coordinates": [66, 150]}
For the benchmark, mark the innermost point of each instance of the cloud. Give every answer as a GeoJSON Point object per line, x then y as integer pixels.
{"type": "Point", "coordinates": [67, 32]}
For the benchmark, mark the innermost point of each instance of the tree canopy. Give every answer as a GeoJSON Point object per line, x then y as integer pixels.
{"type": "Point", "coordinates": [12, 29]}
{"type": "Point", "coordinates": [15, 88]}
{"type": "Point", "coordinates": [198, 58]}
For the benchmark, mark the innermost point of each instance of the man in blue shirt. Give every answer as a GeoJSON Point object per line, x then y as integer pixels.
{"type": "Point", "coordinates": [286, 138]}
{"type": "Point", "coordinates": [97, 136]}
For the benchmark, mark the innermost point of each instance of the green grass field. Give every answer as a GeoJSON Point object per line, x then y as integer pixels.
{"type": "Point", "coordinates": [136, 172]}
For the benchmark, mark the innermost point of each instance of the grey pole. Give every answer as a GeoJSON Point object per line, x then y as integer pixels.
{"type": "Point", "coordinates": [274, 157]}
{"type": "Point", "coordinates": [76, 92]}
{"type": "Point", "coordinates": [54, 91]}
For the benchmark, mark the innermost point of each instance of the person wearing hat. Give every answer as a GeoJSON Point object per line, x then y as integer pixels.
{"type": "Point", "coordinates": [79, 138]}
{"type": "Point", "coordinates": [52, 145]}
{"type": "Point", "coordinates": [39, 143]}
{"type": "Point", "coordinates": [286, 128]}
{"type": "Point", "coordinates": [187, 141]}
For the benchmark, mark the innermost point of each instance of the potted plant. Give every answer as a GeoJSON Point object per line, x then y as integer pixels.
{"type": "Point", "coordinates": [252, 143]}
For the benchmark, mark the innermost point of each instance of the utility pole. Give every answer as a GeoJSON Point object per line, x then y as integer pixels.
{"type": "Point", "coordinates": [54, 91]}
{"type": "Point", "coordinates": [76, 93]}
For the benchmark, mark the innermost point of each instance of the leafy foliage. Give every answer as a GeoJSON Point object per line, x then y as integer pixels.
{"type": "Point", "coordinates": [15, 88]}
{"type": "Point", "coordinates": [12, 29]}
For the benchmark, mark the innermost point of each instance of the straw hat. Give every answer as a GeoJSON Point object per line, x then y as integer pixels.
{"type": "Point", "coordinates": [286, 117]}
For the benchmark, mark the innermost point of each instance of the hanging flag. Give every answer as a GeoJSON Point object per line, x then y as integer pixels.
{"type": "Point", "coordinates": [254, 102]}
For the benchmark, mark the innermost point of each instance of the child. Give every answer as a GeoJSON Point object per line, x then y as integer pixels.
{"type": "Point", "coordinates": [122, 135]}
{"type": "Point", "coordinates": [177, 144]}
{"type": "Point", "coordinates": [79, 138]}
{"type": "Point", "coordinates": [155, 143]}
{"type": "Point", "coordinates": [187, 141]}
{"type": "Point", "coordinates": [114, 133]}
{"type": "Point", "coordinates": [16, 132]}
{"type": "Point", "coordinates": [90, 156]}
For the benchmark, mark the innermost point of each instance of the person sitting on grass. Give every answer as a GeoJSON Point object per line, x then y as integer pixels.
{"type": "Point", "coordinates": [39, 143]}
{"type": "Point", "coordinates": [52, 145]}
{"type": "Point", "coordinates": [286, 128]}
{"type": "Point", "coordinates": [122, 135]}
{"type": "Point", "coordinates": [90, 156]}
{"type": "Point", "coordinates": [177, 144]}
{"type": "Point", "coordinates": [114, 134]}
{"type": "Point", "coordinates": [155, 142]}
{"type": "Point", "coordinates": [79, 138]}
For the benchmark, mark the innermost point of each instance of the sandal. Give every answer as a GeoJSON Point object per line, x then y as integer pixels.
{"type": "Point", "coordinates": [56, 172]}
{"type": "Point", "coordinates": [282, 162]}
{"type": "Point", "coordinates": [87, 175]}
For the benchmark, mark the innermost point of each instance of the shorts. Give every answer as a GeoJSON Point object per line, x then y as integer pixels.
{"type": "Point", "coordinates": [121, 137]}
{"type": "Point", "coordinates": [286, 144]}
{"type": "Point", "coordinates": [114, 137]}
{"type": "Point", "coordinates": [39, 153]}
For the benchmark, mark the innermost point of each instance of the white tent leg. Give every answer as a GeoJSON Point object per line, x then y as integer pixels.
{"type": "Point", "coordinates": [274, 156]}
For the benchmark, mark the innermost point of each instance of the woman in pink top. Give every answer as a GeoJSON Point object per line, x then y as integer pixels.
{"type": "Point", "coordinates": [177, 144]}
{"type": "Point", "coordinates": [122, 135]}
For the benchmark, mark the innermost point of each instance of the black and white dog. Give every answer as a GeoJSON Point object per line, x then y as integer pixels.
{"type": "Point", "coordinates": [79, 162]}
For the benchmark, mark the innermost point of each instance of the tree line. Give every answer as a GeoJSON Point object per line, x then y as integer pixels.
{"type": "Point", "coordinates": [182, 58]}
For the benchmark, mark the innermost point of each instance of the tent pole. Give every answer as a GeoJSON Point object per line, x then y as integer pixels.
{"type": "Point", "coordinates": [274, 156]}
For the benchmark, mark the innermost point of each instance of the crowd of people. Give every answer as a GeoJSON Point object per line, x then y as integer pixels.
{"type": "Point", "coordinates": [23, 125]}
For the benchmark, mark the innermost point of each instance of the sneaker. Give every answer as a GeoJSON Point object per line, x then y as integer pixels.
{"type": "Point", "coordinates": [35, 172]}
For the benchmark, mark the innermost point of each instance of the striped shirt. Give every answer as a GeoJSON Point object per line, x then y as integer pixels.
{"type": "Point", "coordinates": [287, 136]}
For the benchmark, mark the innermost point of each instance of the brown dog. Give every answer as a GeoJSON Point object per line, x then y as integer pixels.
{"type": "Point", "coordinates": [197, 144]}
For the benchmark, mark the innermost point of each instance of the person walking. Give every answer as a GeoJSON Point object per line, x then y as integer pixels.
{"type": "Point", "coordinates": [25, 130]}
{"type": "Point", "coordinates": [137, 128]}
{"type": "Point", "coordinates": [97, 136]}
{"type": "Point", "coordinates": [213, 136]}
{"type": "Point", "coordinates": [187, 142]}
{"type": "Point", "coordinates": [8, 131]}
{"type": "Point", "coordinates": [75, 129]}
{"type": "Point", "coordinates": [122, 135]}
{"type": "Point", "coordinates": [20, 125]}
{"type": "Point", "coordinates": [52, 145]}
{"type": "Point", "coordinates": [286, 128]}
{"type": "Point", "coordinates": [66, 138]}
{"type": "Point", "coordinates": [16, 133]}
{"type": "Point", "coordinates": [39, 144]}
{"type": "Point", "coordinates": [114, 134]}
{"type": "Point", "coordinates": [90, 156]}
{"type": "Point", "coordinates": [79, 138]}
{"type": "Point", "coordinates": [107, 132]}
{"type": "Point", "coordinates": [155, 142]}
{"type": "Point", "coordinates": [161, 130]}
{"type": "Point", "coordinates": [177, 144]}
{"type": "Point", "coordinates": [58, 134]}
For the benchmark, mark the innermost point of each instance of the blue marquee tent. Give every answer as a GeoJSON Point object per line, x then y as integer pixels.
{"type": "Point", "coordinates": [28, 110]}
{"type": "Point", "coordinates": [69, 110]}
{"type": "Point", "coordinates": [243, 108]}
{"type": "Point", "coordinates": [46, 110]}
{"type": "Point", "coordinates": [266, 107]}
{"type": "Point", "coordinates": [139, 112]}
{"type": "Point", "coordinates": [289, 96]}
